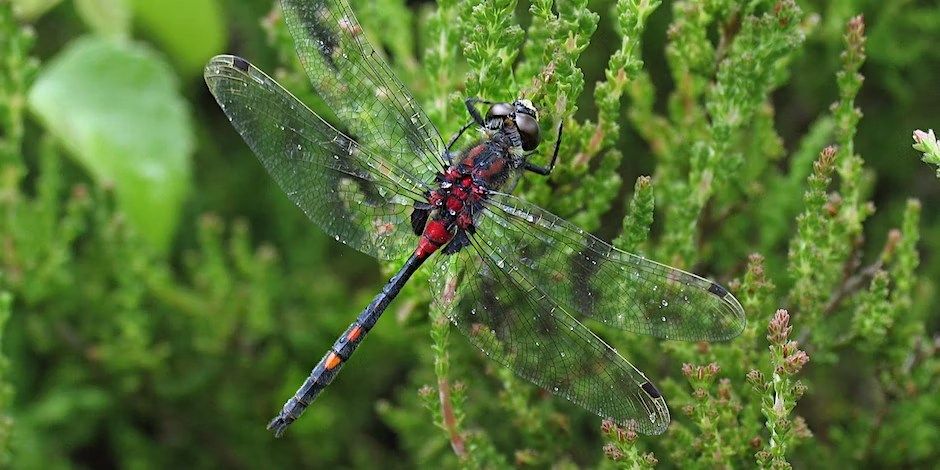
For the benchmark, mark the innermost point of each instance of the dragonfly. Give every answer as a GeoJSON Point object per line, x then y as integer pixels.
{"type": "Point", "coordinates": [516, 280]}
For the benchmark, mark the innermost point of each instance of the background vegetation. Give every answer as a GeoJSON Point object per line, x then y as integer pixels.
{"type": "Point", "coordinates": [159, 298]}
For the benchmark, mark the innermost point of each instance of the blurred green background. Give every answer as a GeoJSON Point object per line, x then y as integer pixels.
{"type": "Point", "coordinates": [164, 297]}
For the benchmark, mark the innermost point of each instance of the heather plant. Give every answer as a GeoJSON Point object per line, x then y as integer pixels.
{"type": "Point", "coordinates": [160, 298]}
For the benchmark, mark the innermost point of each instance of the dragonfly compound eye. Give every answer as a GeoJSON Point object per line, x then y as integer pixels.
{"type": "Point", "coordinates": [500, 110]}
{"type": "Point", "coordinates": [529, 131]}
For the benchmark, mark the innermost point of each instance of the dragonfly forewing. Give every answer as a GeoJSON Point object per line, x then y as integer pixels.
{"type": "Point", "coordinates": [357, 197]}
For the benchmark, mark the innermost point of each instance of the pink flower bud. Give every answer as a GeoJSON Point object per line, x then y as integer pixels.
{"type": "Point", "coordinates": [779, 327]}
{"type": "Point", "coordinates": [921, 137]}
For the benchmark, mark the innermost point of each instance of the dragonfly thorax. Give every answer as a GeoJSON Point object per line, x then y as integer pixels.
{"type": "Point", "coordinates": [449, 217]}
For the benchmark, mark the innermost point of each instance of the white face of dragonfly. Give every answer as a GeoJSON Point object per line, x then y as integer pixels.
{"type": "Point", "coordinates": [528, 105]}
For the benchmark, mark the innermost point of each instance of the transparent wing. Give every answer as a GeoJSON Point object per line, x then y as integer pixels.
{"type": "Point", "coordinates": [515, 324]}
{"type": "Point", "coordinates": [357, 197]}
{"type": "Point", "coordinates": [588, 276]}
{"type": "Point", "coordinates": [359, 86]}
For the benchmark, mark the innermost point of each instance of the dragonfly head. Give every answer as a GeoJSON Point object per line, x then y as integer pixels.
{"type": "Point", "coordinates": [522, 115]}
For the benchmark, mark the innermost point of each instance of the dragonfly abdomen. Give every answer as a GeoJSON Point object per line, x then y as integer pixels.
{"type": "Point", "coordinates": [344, 346]}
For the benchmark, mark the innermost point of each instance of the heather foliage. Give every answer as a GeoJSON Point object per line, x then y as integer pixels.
{"type": "Point", "coordinates": [159, 298]}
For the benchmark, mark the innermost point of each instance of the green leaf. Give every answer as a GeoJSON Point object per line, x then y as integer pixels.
{"type": "Point", "coordinates": [189, 31]}
{"type": "Point", "coordinates": [117, 109]}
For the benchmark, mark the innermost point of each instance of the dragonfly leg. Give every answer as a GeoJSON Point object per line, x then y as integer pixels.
{"type": "Point", "coordinates": [474, 112]}
{"type": "Point", "coordinates": [448, 152]}
{"type": "Point", "coordinates": [545, 171]}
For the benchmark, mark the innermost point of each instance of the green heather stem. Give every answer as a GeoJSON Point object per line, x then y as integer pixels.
{"type": "Point", "coordinates": [810, 244]}
{"type": "Point", "coordinates": [442, 38]}
{"type": "Point", "coordinates": [636, 225]}
{"type": "Point", "coordinates": [17, 70]}
{"type": "Point", "coordinates": [439, 332]}
{"type": "Point", "coordinates": [495, 42]}
{"type": "Point", "coordinates": [780, 393]}
{"type": "Point", "coordinates": [853, 211]}
{"type": "Point", "coordinates": [6, 385]}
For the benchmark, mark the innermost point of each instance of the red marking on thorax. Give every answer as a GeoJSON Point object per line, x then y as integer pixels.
{"type": "Point", "coordinates": [472, 155]}
{"type": "Point", "coordinates": [493, 169]}
{"type": "Point", "coordinates": [454, 204]}
{"type": "Point", "coordinates": [464, 221]}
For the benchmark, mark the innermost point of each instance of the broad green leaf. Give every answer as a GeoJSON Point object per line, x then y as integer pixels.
{"type": "Point", "coordinates": [116, 107]}
{"type": "Point", "coordinates": [111, 18]}
{"type": "Point", "coordinates": [189, 31]}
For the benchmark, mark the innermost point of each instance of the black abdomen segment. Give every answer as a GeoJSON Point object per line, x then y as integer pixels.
{"type": "Point", "coordinates": [328, 367]}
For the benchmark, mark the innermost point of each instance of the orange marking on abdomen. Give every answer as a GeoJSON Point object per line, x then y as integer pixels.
{"type": "Point", "coordinates": [354, 334]}
{"type": "Point", "coordinates": [332, 360]}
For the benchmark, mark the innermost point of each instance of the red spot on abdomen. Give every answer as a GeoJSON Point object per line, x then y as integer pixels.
{"type": "Point", "coordinates": [435, 236]}
{"type": "Point", "coordinates": [437, 232]}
